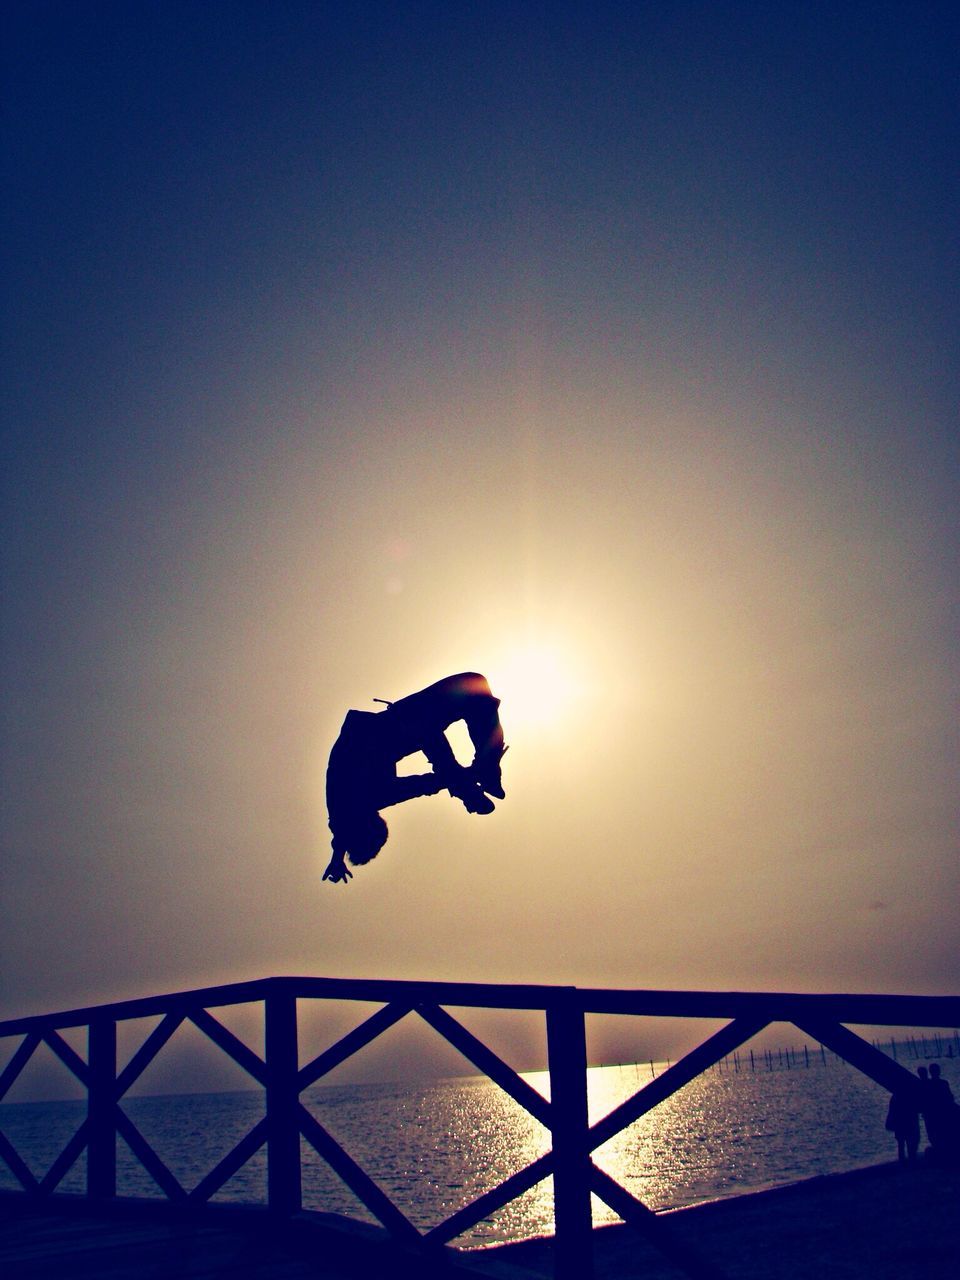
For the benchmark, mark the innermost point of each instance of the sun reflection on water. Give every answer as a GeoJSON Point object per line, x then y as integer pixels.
{"type": "Point", "coordinates": [434, 1147]}
{"type": "Point", "coordinates": [729, 1131]}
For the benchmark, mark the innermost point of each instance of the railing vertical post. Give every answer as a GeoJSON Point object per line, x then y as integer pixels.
{"type": "Point", "coordinates": [567, 1060]}
{"type": "Point", "coordinates": [283, 1130]}
{"type": "Point", "coordinates": [101, 1114]}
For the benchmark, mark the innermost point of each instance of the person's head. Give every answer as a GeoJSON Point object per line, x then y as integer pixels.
{"type": "Point", "coordinates": [934, 1070]}
{"type": "Point", "coordinates": [362, 837]}
{"type": "Point", "coordinates": [922, 1072]}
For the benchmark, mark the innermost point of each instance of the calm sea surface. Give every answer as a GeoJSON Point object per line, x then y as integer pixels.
{"type": "Point", "coordinates": [434, 1146]}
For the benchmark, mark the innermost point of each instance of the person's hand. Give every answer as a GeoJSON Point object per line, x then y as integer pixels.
{"type": "Point", "coordinates": [337, 871]}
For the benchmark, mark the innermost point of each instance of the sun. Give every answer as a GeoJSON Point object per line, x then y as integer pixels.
{"type": "Point", "coordinates": [537, 683]}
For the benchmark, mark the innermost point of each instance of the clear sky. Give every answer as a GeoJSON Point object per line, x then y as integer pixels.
{"type": "Point", "coordinates": [350, 345]}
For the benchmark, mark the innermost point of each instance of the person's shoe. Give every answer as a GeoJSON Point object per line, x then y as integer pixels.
{"type": "Point", "coordinates": [486, 771]}
{"type": "Point", "coordinates": [474, 801]}
{"type": "Point", "coordinates": [465, 788]}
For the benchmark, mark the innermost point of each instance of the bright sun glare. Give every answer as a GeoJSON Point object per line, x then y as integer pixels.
{"type": "Point", "coordinates": [537, 684]}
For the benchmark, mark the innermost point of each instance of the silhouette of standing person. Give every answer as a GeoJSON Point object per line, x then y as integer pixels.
{"type": "Point", "coordinates": [362, 771]}
{"type": "Point", "coordinates": [903, 1119]}
{"type": "Point", "coordinates": [923, 1095]}
{"type": "Point", "coordinates": [941, 1115]}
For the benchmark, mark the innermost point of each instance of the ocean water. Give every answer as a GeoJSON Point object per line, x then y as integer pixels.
{"type": "Point", "coordinates": [434, 1146]}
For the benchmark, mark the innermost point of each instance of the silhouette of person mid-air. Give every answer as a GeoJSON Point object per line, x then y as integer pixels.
{"type": "Point", "coordinates": [362, 772]}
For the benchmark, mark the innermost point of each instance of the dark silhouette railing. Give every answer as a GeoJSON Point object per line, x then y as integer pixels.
{"type": "Point", "coordinates": [283, 1079]}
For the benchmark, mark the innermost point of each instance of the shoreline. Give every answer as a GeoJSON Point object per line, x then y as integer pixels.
{"type": "Point", "coordinates": [878, 1222]}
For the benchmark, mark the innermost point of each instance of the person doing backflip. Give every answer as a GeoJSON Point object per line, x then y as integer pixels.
{"type": "Point", "coordinates": [362, 772]}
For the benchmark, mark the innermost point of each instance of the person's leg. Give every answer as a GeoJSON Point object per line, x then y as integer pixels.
{"type": "Point", "coordinates": [419, 721]}
{"type": "Point", "coordinates": [468, 697]}
{"type": "Point", "coordinates": [481, 713]}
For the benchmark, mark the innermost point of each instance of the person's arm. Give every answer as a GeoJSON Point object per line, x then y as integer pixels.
{"type": "Point", "coordinates": [452, 775]}
{"type": "Point", "coordinates": [440, 754]}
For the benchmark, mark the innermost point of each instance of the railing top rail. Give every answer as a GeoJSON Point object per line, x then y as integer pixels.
{"type": "Point", "coordinates": [859, 1009]}
{"type": "Point", "coordinates": [143, 1006]}
{"type": "Point", "coordinates": [776, 1006]}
